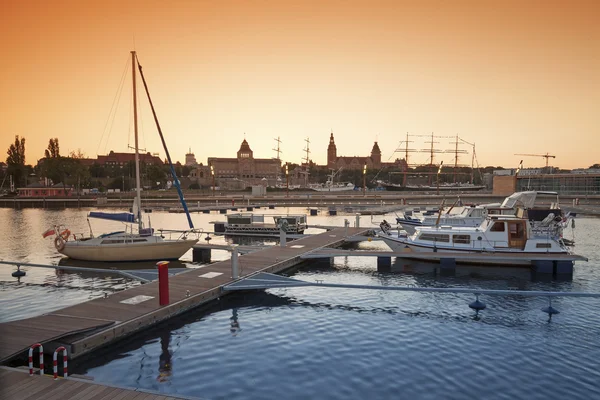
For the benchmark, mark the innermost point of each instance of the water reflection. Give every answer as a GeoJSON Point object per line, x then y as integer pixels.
{"type": "Point", "coordinates": [165, 366]}
{"type": "Point", "coordinates": [235, 325]}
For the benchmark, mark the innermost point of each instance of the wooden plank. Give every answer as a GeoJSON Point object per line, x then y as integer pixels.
{"type": "Point", "coordinates": [65, 391]}
{"type": "Point", "coordinates": [14, 390]}
{"type": "Point", "coordinates": [39, 386]}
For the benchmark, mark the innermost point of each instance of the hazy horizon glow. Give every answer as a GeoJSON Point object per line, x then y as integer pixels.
{"type": "Point", "coordinates": [511, 76]}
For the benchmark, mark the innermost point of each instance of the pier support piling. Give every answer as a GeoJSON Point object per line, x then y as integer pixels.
{"type": "Point", "coordinates": [564, 267]}
{"type": "Point", "coordinates": [543, 266]}
{"type": "Point", "coordinates": [201, 255]}
{"type": "Point", "coordinates": [384, 263]}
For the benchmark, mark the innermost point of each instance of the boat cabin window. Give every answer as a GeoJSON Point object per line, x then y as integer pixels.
{"type": "Point", "coordinates": [117, 241]}
{"type": "Point", "coordinates": [497, 227]}
{"type": "Point", "coordinates": [543, 245]}
{"type": "Point", "coordinates": [461, 239]}
{"type": "Point", "coordinates": [435, 237]}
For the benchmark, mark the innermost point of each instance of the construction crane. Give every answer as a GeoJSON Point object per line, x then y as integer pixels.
{"type": "Point", "coordinates": [546, 156]}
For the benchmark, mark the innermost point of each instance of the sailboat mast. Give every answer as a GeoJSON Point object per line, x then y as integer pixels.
{"type": "Point", "coordinates": [138, 195]}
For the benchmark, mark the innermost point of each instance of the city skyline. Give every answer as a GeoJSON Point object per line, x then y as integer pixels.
{"type": "Point", "coordinates": [513, 77]}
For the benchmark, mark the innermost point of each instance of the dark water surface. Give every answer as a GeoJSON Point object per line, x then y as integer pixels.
{"type": "Point", "coordinates": [334, 343]}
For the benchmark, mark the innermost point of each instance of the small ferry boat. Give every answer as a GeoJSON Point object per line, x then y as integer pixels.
{"type": "Point", "coordinates": [255, 223]}
{"type": "Point", "coordinates": [500, 234]}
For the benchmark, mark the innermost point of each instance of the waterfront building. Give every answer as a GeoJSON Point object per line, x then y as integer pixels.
{"type": "Point", "coordinates": [358, 162]}
{"type": "Point", "coordinates": [119, 160]}
{"type": "Point", "coordinates": [506, 182]}
{"type": "Point", "coordinates": [239, 172]}
{"type": "Point", "coordinates": [40, 190]}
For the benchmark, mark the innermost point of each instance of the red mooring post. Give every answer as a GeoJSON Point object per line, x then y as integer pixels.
{"type": "Point", "coordinates": [163, 283]}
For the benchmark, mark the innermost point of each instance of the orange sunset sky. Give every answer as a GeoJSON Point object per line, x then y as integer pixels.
{"type": "Point", "coordinates": [511, 76]}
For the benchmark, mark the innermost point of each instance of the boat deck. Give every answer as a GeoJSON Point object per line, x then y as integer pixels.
{"type": "Point", "coordinates": [94, 323]}
{"type": "Point", "coordinates": [17, 384]}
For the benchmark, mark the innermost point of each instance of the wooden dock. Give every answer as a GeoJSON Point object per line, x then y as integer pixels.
{"type": "Point", "coordinates": [86, 326]}
{"type": "Point", "coordinates": [17, 384]}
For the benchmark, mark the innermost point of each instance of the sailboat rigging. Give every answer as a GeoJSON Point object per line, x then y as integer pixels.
{"type": "Point", "coordinates": [128, 246]}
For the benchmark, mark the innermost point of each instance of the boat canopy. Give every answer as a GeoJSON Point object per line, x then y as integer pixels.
{"type": "Point", "coordinates": [520, 199]}
{"type": "Point", "coordinates": [122, 217]}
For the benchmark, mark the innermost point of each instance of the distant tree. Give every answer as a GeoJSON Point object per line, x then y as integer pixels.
{"type": "Point", "coordinates": [53, 150]}
{"type": "Point", "coordinates": [194, 186]}
{"type": "Point", "coordinates": [97, 171]}
{"type": "Point", "coordinates": [595, 166]}
{"type": "Point", "coordinates": [16, 152]}
{"type": "Point", "coordinates": [16, 160]}
{"type": "Point", "coordinates": [77, 154]}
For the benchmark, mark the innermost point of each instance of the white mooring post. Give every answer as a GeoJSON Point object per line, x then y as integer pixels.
{"type": "Point", "coordinates": [358, 220]}
{"type": "Point", "coordinates": [282, 237]}
{"type": "Point", "coordinates": [234, 263]}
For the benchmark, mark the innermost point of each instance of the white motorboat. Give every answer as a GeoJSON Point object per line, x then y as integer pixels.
{"type": "Point", "coordinates": [473, 216]}
{"type": "Point", "coordinates": [499, 234]}
{"type": "Point", "coordinates": [142, 245]}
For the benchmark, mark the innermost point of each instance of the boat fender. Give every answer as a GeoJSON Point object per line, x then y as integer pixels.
{"type": "Point", "coordinates": [65, 234]}
{"type": "Point", "coordinates": [59, 243]}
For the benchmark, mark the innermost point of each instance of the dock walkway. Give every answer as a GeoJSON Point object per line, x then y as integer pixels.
{"type": "Point", "coordinates": [86, 326]}
{"type": "Point", "coordinates": [17, 384]}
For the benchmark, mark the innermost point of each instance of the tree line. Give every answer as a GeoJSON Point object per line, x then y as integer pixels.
{"type": "Point", "coordinates": [71, 171]}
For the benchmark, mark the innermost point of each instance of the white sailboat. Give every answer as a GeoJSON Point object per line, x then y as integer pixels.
{"type": "Point", "coordinates": [126, 245]}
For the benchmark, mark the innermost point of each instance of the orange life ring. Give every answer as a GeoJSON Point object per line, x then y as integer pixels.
{"type": "Point", "coordinates": [65, 234]}
{"type": "Point", "coordinates": [59, 243]}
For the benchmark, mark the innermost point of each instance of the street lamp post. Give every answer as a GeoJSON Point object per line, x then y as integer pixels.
{"type": "Point", "coordinates": [287, 181]}
{"type": "Point", "coordinates": [517, 173]}
{"type": "Point", "coordinates": [212, 172]}
{"type": "Point", "coordinates": [365, 180]}
{"type": "Point", "coordinates": [438, 177]}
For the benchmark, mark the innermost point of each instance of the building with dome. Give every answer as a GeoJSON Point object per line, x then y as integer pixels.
{"type": "Point", "coordinates": [239, 172]}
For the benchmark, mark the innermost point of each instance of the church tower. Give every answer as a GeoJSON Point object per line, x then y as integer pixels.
{"type": "Point", "coordinates": [376, 156]}
{"type": "Point", "coordinates": [331, 153]}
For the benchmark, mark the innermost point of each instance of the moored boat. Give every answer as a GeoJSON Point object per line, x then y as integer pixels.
{"type": "Point", "coordinates": [499, 234]}
{"type": "Point", "coordinates": [142, 245]}
{"type": "Point", "coordinates": [255, 224]}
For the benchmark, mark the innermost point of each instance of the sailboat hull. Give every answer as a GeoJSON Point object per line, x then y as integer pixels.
{"type": "Point", "coordinates": [157, 251]}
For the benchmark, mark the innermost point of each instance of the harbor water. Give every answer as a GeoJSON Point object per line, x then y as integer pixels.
{"type": "Point", "coordinates": [311, 342]}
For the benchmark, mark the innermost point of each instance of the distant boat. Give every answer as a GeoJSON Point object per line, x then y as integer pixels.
{"type": "Point", "coordinates": [127, 245]}
{"type": "Point", "coordinates": [255, 223]}
{"type": "Point", "coordinates": [331, 186]}
{"type": "Point", "coordinates": [447, 187]}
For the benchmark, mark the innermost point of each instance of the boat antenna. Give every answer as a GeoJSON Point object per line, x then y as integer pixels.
{"type": "Point", "coordinates": [162, 138]}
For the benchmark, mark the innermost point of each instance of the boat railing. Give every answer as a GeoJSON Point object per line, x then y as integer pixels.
{"type": "Point", "coordinates": [182, 234]}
